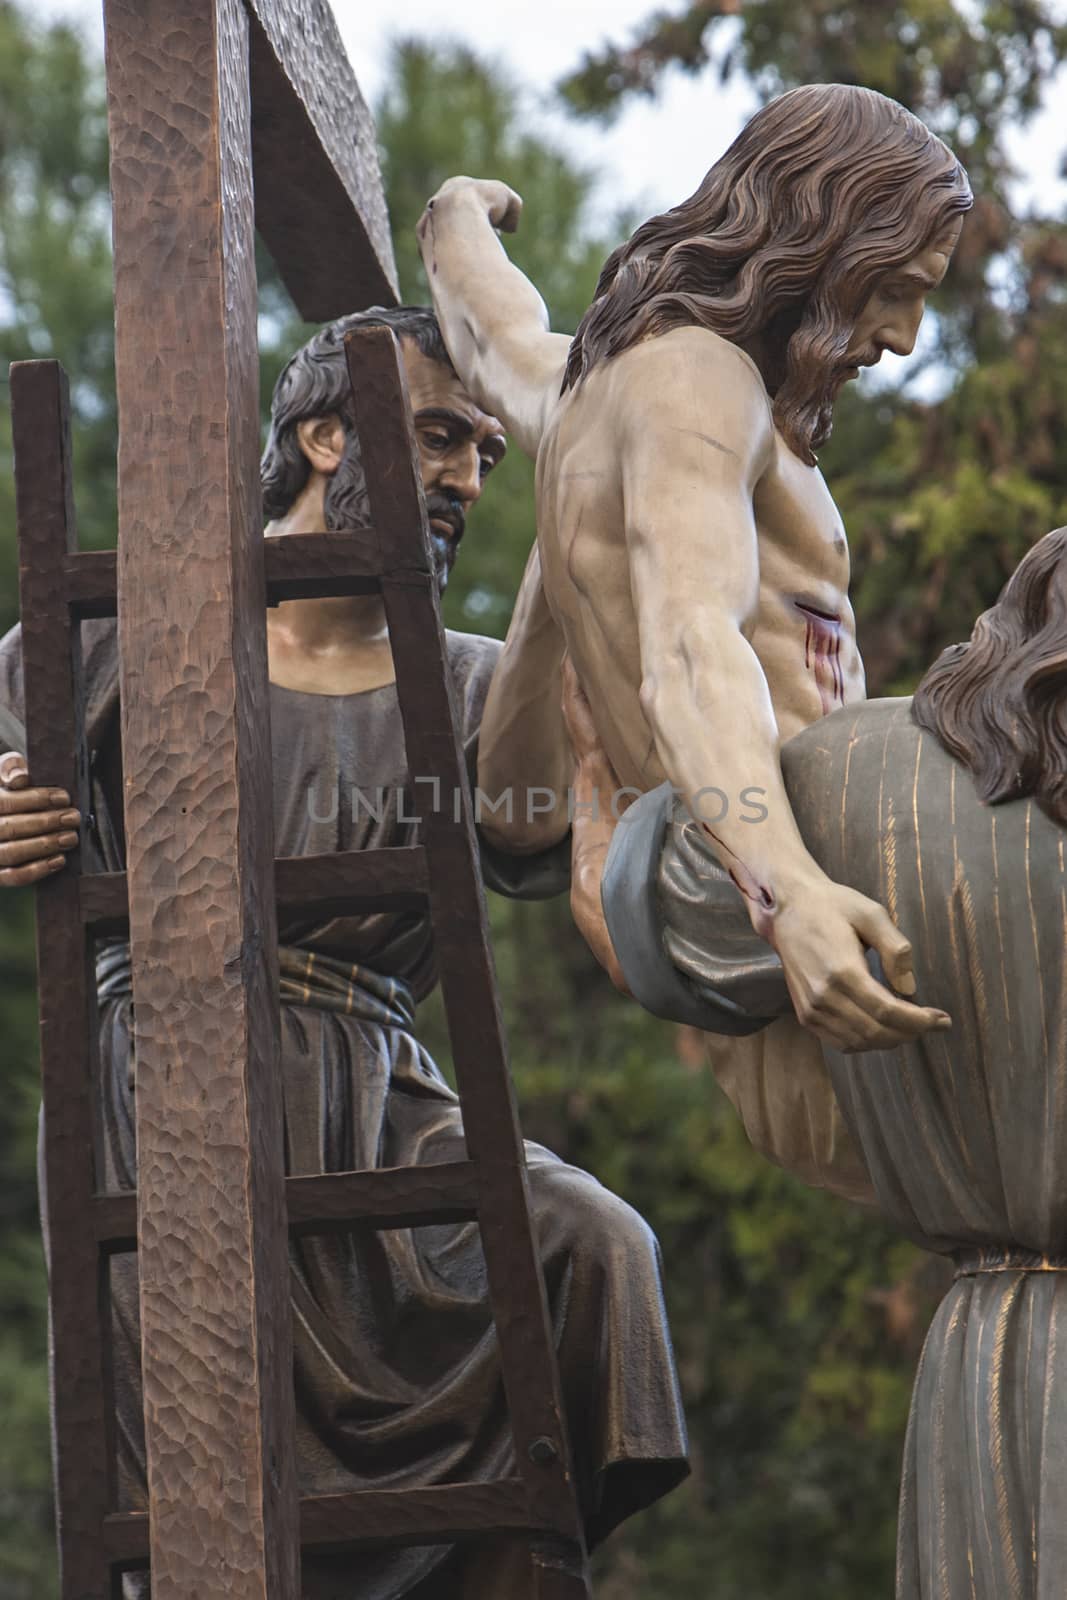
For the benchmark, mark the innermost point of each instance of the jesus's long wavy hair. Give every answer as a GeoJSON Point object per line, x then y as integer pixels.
{"type": "Point", "coordinates": [826, 189]}
{"type": "Point", "coordinates": [999, 704]}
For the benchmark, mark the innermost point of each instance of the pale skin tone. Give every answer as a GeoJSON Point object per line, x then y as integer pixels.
{"type": "Point", "coordinates": [696, 571]}
{"type": "Point", "coordinates": [325, 646]}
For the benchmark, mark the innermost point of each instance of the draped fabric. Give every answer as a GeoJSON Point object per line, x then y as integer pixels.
{"type": "Point", "coordinates": [397, 1372]}
{"type": "Point", "coordinates": [963, 1135]}
{"type": "Point", "coordinates": [688, 952]}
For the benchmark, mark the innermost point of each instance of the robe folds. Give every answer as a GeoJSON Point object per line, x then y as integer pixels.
{"type": "Point", "coordinates": [959, 1137]}
{"type": "Point", "coordinates": [396, 1368]}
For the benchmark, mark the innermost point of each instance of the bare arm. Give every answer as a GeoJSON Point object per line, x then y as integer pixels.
{"type": "Point", "coordinates": [593, 826]}
{"type": "Point", "coordinates": [523, 747]}
{"type": "Point", "coordinates": [694, 561]}
{"type": "Point", "coordinates": [494, 321]}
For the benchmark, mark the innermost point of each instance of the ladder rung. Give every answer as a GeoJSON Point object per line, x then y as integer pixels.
{"type": "Point", "coordinates": [373, 1516]}
{"type": "Point", "coordinates": [334, 1202]}
{"type": "Point", "coordinates": [417, 1516]}
{"type": "Point", "coordinates": [298, 565]}
{"type": "Point", "coordinates": [305, 564]}
{"type": "Point", "coordinates": [91, 583]}
{"type": "Point", "coordinates": [104, 901]}
{"type": "Point", "coordinates": [388, 1197]}
{"type": "Point", "coordinates": [115, 1221]}
{"type": "Point", "coordinates": [125, 1538]}
{"type": "Point", "coordinates": [395, 879]}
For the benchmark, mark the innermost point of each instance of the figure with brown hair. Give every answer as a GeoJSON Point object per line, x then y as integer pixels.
{"type": "Point", "coordinates": [951, 808]}
{"type": "Point", "coordinates": [395, 1358]}
{"type": "Point", "coordinates": [690, 557]}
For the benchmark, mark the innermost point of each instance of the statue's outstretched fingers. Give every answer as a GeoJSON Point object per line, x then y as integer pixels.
{"type": "Point", "coordinates": [878, 930]}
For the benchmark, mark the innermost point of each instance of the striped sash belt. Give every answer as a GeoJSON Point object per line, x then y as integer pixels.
{"type": "Point", "coordinates": [307, 978]}
{"type": "Point", "coordinates": [1005, 1258]}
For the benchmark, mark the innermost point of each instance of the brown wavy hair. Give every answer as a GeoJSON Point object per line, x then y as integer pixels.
{"type": "Point", "coordinates": [825, 190]}
{"type": "Point", "coordinates": [999, 704]}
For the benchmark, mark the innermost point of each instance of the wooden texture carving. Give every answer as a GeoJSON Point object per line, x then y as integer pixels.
{"type": "Point", "coordinates": [316, 164]}
{"type": "Point", "coordinates": [216, 1341]}
{"type": "Point", "coordinates": [67, 996]}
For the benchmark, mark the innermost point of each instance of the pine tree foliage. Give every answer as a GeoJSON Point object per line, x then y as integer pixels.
{"type": "Point", "coordinates": [797, 1321]}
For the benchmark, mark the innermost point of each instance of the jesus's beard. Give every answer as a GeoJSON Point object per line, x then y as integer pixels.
{"type": "Point", "coordinates": [815, 404]}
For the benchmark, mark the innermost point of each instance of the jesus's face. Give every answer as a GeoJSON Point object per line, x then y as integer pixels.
{"type": "Point", "coordinates": [891, 317]}
{"type": "Point", "coordinates": [888, 321]}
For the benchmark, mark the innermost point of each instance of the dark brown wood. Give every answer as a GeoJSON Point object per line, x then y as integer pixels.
{"type": "Point", "coordinates": [215, 1325]}
{"type": "Point", "coordinates": [126, 1538]}
{"type": "Point", "coordinates": [387, 1197]}
{"type": "Point", "coordinates": [376, 1516]}
{"type": "Point", "coordinates": [559, 1574]}
{"type": "Point", "coordinates": [302, 564]}
{"type": "Point", "coordinates": [103, 904]}
{"type": "Point", "coordinates": [320, 207]}
{"type": "Point", "coordinates": [368, 880]}
{"type": "Point", "coordinates": [516, 1283]}
{"type": "Point", "coordinates": [379, 880]}
{"type": "Point", "coordinates": [91, 583]}
{"type": "Point", "coordinates": [335, 1202]}
{"type": "Point", "coordinates": [115, 1221]}
{"type": "Point", "coordinates": [66, 989]}
{"type": "Point", "coordinates": [415, 1516]}
{"type": "Point", "coordinates": [192, 575]}
{"type": "Point", "coordinates": [297, 565]}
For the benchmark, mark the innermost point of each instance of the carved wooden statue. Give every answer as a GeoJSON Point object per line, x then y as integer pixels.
{"type": "Point", "coordinates": [951, 808]}
{"type": "Point", "coordinates": [690, 557]}
{"type": "Point", "coordinates": [691, 562]}
{"type": "Point", "coordinates": [397, 1370]}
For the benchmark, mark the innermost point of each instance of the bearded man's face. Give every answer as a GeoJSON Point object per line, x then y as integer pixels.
{"type": "Point", "coordinates": [889, 320]}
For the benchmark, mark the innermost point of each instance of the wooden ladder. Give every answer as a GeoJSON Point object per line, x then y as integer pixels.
{"type": "Point", "coordinates": [59, 588]}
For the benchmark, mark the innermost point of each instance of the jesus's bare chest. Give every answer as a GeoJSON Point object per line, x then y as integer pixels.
{"type": "Point", "coordinates": [804, 631]}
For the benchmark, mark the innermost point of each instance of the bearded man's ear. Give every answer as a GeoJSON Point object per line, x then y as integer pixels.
{"type": "Point", "coordinates": [322, 439]}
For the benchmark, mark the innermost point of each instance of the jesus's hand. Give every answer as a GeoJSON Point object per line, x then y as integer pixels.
{"type": "Point", "coordinates": [820, 935]}
{"type": "Point", "coordinates": [501, 205]}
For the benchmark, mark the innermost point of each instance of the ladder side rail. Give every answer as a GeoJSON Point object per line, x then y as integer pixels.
{"type": "Point", "coordinates": [458, 914]}
{"type": "Point", "coordinates": [82, 1430]}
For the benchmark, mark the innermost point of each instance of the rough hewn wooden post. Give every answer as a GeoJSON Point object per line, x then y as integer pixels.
{"type": "Point", "coordinates": [214, 1298]}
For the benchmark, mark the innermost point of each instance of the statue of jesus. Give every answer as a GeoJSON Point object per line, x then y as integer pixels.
{"type": "Point", "coordinates": [690, 558]}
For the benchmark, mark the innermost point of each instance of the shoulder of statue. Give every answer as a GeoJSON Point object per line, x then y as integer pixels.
{"type": "Point", "coordinates": [713, 354]}
{"type": "Point", "coordinates": [690, 372]}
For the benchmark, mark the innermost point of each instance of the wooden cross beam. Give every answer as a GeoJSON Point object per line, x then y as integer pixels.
{"type": "Point", "coordinates": [315, 161]}
{"type": "Point", "coordinates": [198, 92]}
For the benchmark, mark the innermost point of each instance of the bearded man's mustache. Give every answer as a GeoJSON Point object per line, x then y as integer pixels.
{"type": "Point", "coordinates": [446, 508]}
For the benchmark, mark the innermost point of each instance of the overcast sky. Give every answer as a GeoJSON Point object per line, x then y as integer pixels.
{"type": "Point", "coordinates": [657, 151]}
